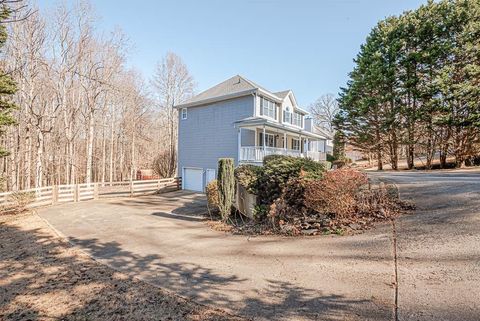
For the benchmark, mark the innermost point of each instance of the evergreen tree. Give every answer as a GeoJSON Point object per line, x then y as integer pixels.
{"type": "Point", "coordinates": [7, 85]}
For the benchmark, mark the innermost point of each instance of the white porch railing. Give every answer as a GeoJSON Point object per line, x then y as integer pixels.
{"type": "Point", "coordinates": [257, 153]}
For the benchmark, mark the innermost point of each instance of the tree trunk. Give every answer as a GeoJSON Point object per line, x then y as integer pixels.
{"type": "Point", "coordinates": [88, 176]}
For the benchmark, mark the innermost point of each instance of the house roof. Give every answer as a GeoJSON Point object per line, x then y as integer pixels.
{"type": "Point", "coordinates": [328, 135]}
{"type": "Point", "coordinates": [236, 86]}
{"type": "Point", "coordinates": [283, 94]}
{"type": "Point", "coordinates": [260, 121]}
{"type": "Point", "coordinates": [233, 87]}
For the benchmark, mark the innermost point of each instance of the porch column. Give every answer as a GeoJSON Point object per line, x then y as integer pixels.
{"type": "Point", "coordinates": [300, 145]}
{"type": "Point", "coordinates": [307, 147]}
{"type": "Point", "coordinates": [239, 143]}
{"type": "Point", "coordinates": [285, 142]}
{"type": "Point", "coordinates": [264, 140]}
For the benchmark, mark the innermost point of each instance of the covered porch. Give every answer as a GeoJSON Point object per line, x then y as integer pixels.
{"type": "Point", "coordinates": [258, 138]}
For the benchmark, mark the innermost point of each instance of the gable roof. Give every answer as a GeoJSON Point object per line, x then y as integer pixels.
{"type": "Point", "coordinates": [283, 94]}
{"type": "Point", "coordinates": [236, 86]}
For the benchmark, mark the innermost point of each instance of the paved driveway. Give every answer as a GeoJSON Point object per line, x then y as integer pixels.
{"type": "Point", "coordinates": [439, 246]}
{"type": "Point", "coordinates": [162, 240]}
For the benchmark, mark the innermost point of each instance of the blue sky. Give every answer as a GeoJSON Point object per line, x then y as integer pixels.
{"type": "Point", "coordinates": [306, 46]}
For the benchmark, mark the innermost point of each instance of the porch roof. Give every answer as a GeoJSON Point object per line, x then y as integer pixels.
{"type": "Point", "coordinates": [260, 121]}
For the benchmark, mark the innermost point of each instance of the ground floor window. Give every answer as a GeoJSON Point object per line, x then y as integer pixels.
{"type": "Point", "coordinates": [269, 140]}
{"type": "Point", "coordinates": [296, 144]}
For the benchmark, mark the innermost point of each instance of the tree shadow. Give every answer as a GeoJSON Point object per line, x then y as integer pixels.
{"type": "Point", "coordinates": [177, 202]}
{"type": "Point", "coordinates": [180, 217]}
{"type": "Point", "coordinates": [43, 278]}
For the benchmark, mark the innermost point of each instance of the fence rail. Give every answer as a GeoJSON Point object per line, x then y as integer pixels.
{"type": "Point", "coordinates": [58, 194]}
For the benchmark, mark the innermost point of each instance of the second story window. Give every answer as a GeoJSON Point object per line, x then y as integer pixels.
{"type": "Point", "coordinates": [184, 113]}
{"type": "Point", "coordinates": [297, 119]}
{"type": "Point", "coordinates": [268, 108]}
{"type": "Point", "coordinates": [287, 115]}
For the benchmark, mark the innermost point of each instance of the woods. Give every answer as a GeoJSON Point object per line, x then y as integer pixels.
{"type": "Point", "coordinates": [81, 114]}
{"type": "Point", "coordinates": [415, 86]}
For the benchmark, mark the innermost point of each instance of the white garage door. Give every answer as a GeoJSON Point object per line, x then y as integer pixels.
{"type": "Point", "coordinates": [193, 179]}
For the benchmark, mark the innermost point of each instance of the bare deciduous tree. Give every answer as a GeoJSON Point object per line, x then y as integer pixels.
{"type": "Point", "coordinates": [83, 116]}
{"type": "Point", "coordinates": [324, 110]}
{"type": "Point", "coordinates": [172, 85]}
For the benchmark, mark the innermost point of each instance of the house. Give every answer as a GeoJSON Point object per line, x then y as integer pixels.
{"type": "Point", "coordinates": [241, 120]}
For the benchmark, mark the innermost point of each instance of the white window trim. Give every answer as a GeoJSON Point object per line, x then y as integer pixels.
{"type": "Point", "coordinates": [293, 145]}
{"type": "Point", "coordinates": [267, 135]}
{"type": "Point", "coordinates": [262, 99]}
{"type": "Point", "coordinates": [184, 113]}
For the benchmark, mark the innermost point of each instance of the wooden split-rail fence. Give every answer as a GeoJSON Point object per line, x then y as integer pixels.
{"type": "Point", "coordinates": [58, 194]}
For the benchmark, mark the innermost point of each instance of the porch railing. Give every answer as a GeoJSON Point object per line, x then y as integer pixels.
{"type": "Point", "coordinates": [257, 153]}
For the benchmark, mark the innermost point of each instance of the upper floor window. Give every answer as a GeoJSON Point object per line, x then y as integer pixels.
{"type": "Point", "coordinates": [184, 113]}
{"type": "Point", "coordinates": [268, 108]}
{"type": "Point", "coordinates": [297, 119]}
{"type": "Point", "coordinates": [287, 115]}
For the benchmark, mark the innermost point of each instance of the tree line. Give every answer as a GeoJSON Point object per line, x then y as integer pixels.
{"type": "Point", "coordinates": [414, 90]}
{"type": "Point", "coordinates": [77, 113]}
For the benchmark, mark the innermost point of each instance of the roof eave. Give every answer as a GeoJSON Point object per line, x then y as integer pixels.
{"type": "Point", "coordinates": [216, 99]}
{"type": "Point", "coordinates": [264, 121]}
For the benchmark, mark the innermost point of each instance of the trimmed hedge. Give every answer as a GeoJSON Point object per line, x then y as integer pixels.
{"type": "Point", "coordinates": [226, 186]}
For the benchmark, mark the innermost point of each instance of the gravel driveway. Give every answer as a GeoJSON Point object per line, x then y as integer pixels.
{"type": "Point", "coordinates": [439, 246]}
{"type": "Point", "coordinates": [163, 241]}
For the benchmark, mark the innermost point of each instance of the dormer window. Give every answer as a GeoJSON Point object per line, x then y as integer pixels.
{"type": "Point", "coordinates": [287, 115]}
{"type": "Point", "coordinates": [268, 108]}
{"type": "Point", "coordinates": [184, 113]}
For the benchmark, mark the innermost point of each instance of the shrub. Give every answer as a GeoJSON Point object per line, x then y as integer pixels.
{"type": "Point", "coordinates": [328, 165]}
{"type": "Point", "coordinates": [212, 196]}
{"type": "Point", "coordinates": [20, 200]}
{"type": "Point", "coordinates": [336, 192]}
{"type": "Point", "coordinates": [291, 203]}
{"type": "Point", "coordinates": [279, 169]}
{"type": "Point", "coordinates": [330, 158]}
{"type": "Point", "coordinates": [226, 187]}
{"type": "Point", "coordinates": [260, 212]}
{"type": "Point", "coordinates": [248, 177]}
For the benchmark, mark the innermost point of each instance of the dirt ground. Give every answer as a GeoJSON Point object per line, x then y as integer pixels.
{"type": "Point", "coordinates": [42, 277]}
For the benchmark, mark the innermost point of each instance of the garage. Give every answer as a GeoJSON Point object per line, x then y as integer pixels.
{"type": "Point", "coordinates": [193, 179]}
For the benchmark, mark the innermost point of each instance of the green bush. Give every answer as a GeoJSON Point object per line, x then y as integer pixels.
{"type": "Point", "coordinates": [328, 165]}
{"type": "Point", "coordinates": [226, 186]}
{"type": "Point", "coordinates": [279, 169]}
{"type": "Point", "coordinates": [248, 176]}
{"type": "Point", "coordinates": [260, 212]}
{"type": "Point", "coordinates": [330, 158]}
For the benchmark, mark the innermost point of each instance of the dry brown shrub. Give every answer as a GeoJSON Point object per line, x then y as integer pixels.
{"type": "Point", "coordinates": [212, 196]}
{"type": "Point", "coordinates": [336, 193]}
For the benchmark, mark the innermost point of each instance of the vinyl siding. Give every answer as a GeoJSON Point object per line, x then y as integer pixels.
{"type": "Point", "coordinates": [208, 133]}
{"type": "Point", "coordinates": [248, 137]}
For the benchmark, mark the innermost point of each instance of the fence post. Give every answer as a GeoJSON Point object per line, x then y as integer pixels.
{"type": "Point", "coordinates": [131, 188]}
{"type": "Point", "coordinates": [95, 191]}
{"type": "Point", "coordinates": [76, 192]}
{"type": "Point", "coordinates": [54, 194]}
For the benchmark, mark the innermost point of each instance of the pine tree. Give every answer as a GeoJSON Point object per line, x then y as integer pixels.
{"type": "Point", "coordinates": [7, 85]}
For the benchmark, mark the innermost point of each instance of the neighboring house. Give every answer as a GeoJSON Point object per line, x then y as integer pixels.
{"type": "Point", "coordinates": [241, 120]}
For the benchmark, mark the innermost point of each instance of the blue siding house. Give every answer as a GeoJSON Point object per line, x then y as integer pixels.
{"type": "Point", "coordinates": [241, 120]}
